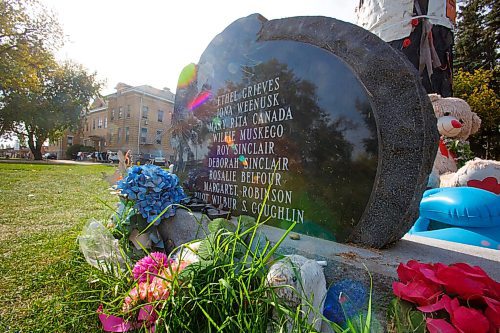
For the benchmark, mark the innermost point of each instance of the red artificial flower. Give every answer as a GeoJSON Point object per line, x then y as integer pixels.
{"type": "Point", "coordinates": [476, 273]}
{"type": "Point", "coordinates": [406, 42]}
{"type": "Point", "coordinates": [443, 303]}
{"type": "Point", "coordinates": [418, 292]}
{"type": "Point", "coordinates": [414, 22]}
{"type": "Point", "coordinates": [469, 283]}
{"type": "Point", "coordinates": [463, 319]}
{"type": "Point", "coordinates": [474, 305]}
{"type": "Point", "coordinates": [467, 320]}
{"type": "Point", "coordinates": [414, 270]}
{"type": "Point", "coordinates": [439, 326]}
{"type": "Point", "coordinates": [492, 312]}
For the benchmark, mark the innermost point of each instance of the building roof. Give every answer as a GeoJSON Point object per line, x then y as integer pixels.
{"type": "Point", "coordinates": [165, 93]}
{"type": "Point", "coordinates": [101, 103]}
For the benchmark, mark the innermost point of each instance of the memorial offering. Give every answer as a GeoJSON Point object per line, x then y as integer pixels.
{"type": "Point", "coordinates": [290, 109]}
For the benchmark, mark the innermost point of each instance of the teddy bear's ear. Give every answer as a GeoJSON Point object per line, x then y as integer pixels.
{"type": "Point", "coordinates": [434, 97]}
{"type": "Point", "coordinates": [476, 123]}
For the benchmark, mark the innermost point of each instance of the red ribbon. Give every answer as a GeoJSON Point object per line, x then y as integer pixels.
{"type": "Point", "coordinates": [444, 150]}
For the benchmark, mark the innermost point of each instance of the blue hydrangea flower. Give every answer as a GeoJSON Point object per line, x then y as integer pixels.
{"type": "Point", "coordinates": [152, 190]}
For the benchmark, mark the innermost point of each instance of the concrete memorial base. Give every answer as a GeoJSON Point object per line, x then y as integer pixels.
{"type": "Point", "coordinates": [353, 262]}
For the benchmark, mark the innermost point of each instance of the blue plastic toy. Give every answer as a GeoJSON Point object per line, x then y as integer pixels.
{"type": "Point", "coordinates": [344, 300]}
{"type": "Point", "coordinates": [466, 215]}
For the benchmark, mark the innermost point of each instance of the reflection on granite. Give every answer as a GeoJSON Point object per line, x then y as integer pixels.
{"type": "Point", "coordinates": [281, 128]}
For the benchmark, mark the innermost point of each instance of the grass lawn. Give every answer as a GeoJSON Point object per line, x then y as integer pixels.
{"type": "Point", "coordinates": [43, 209]}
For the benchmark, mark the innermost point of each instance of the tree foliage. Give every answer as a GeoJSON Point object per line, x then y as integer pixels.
{"type": "Point", "coordinates": [53, 107]}
{"type": "Point", "coordinates": [28, 35]}
{"type": "Point", "coordinates": [477, 89]}
{"type": "Point", "coordinates": [477, 70]}
{"type": "Point", "coordinates": [39, 98]}
{"type": "Point", "coordinates": [478, 35]}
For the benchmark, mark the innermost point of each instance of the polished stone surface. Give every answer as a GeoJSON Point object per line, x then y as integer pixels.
{"type": "Point", "coordinates": [289, 106]}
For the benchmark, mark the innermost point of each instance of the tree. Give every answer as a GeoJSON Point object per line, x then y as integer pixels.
{"type": "Point", "coordinates": [56, 105]}
{"type": "Point", "coordinates": [476, 89]}
{"type": "Point", "coordinates": [28, 36]}
{"type": "Point", "coordinates": [478, 35]}
{"type": "Point", "coordinates": [477, 70]}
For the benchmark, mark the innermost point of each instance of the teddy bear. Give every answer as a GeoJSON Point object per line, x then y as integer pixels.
{"type": "Point", "coordinates": [456, 121]}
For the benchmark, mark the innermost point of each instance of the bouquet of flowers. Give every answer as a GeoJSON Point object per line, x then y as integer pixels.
{"type": "Point", "coordinates": [451, 298]}
{"type": "Point", "coordinates": [152, 276]}
{"type": "Point", "coordinates": [148, 196]}
{"type": "Point", "coordinates": [152, 190]}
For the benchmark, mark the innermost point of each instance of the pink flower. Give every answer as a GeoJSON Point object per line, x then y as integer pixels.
{"type": "Point", "coordinates": [150, 265]}
{"type": "Point", "coordinates": [143, 290]}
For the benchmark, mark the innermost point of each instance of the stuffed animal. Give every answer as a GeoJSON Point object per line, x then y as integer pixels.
{"type": "Point", "coordinates": [483, 174]}
{"type": "Point", "coordinates": [299, 282]}
{"type": "Point", "coordinates": [455, 120]}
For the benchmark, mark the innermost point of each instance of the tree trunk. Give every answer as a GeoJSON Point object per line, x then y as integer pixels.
{"type": "Point", "coordinates": [36, 148]}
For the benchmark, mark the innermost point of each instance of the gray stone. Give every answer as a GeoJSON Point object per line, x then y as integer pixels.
{"type": "Point", "coordinates": [182, 228]}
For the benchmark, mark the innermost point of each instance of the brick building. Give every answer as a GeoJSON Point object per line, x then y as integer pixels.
{"type": "Point", "coordinates": [133, 118]}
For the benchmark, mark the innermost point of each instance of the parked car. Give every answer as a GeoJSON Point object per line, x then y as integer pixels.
{"type": "Point", "coordinates": [113, 157]}
{"type": "Point", "coordinates": [50, 156]}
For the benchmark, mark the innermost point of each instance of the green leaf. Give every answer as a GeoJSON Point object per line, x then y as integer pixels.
{"type": "Point", "coordinates": [220, 223]}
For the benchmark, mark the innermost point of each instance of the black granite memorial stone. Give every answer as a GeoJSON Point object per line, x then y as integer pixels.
{"type": "Point", "coordinates": [320, 114]}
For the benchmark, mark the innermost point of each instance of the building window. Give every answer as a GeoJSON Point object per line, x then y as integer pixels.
{"type": "Point", "coordinates": [93, 123]}
{"type": "Point", "coordinates": [144, 134]}
{"type": "Point", "coordinates": [128, 111]}
{"type": "Point", "coordinates": [87, 126]}
{"type": "Point", "coordinates": [118, 135]}
{"type": "Point", "coordinates": [109, 138]}
{"type": "Point", "coordinates": [145, 112]}
{"type": "Point", "coordinates": [127, 134]}
{"type": "Point", "coordinates": [120, 112]}
{"type": "Point", "coordinates": [160, 116]}
{"type": "Point", "coordinates": [70, 141]}
{"type": "Point", "coordinates": [158, 137]}
{"type": "Point", "coordinates": [106, 122]}
{"type": "Point", "coordinates": [113, 114]}
{"type": "Point", "coordinates": [99, 123]}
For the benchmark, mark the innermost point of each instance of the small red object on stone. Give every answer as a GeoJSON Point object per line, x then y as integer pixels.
{"type": "Point", "coordinates": [406, 42]}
